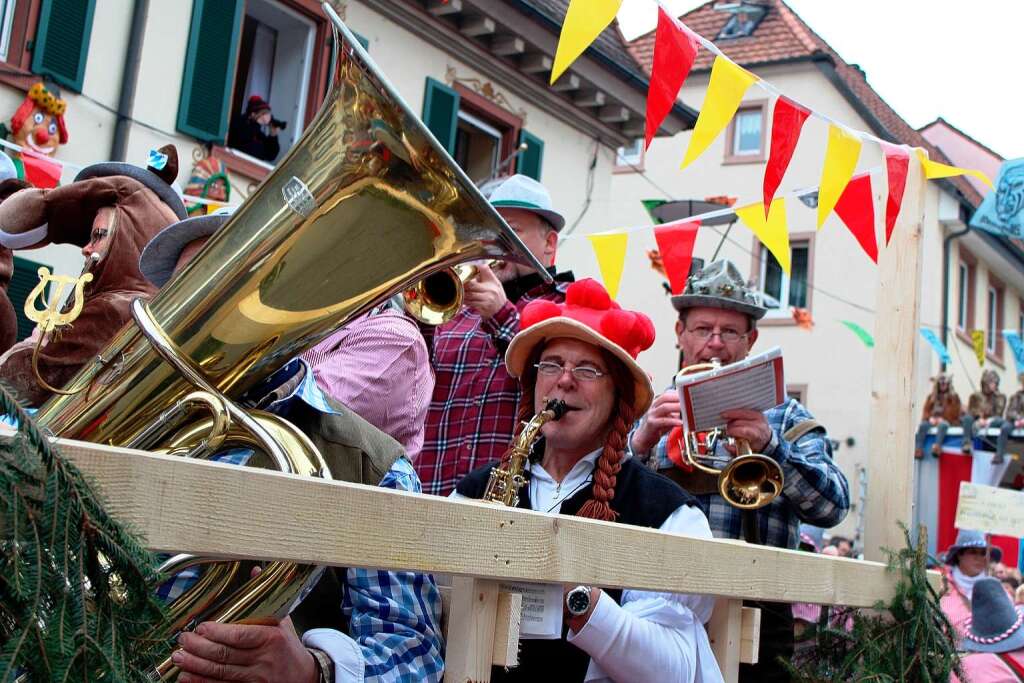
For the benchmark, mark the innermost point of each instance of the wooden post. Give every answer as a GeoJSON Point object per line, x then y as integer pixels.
{"type": "Point", "coordinates": [471, 623]}
{"type": "Point", "coordinates": [725, 631]}
{"type": "Point", "coordinates": [890, 467]}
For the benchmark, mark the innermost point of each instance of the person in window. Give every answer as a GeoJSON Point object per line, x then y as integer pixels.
{"type": "Point", "coordinates": [247, 131]}
{"type": "Point", "coordinates": [473, 410]}
{"type": "Point", "coordinates": [985, 408]}
{"type": "Point", "coordinates": [718, 314]}
{"type": "Point", "coordinates": [941, 409]}
{"type": "Point", "coordinates": [583, 352]}
{"type": "Point", "coordinates": [356, 624]}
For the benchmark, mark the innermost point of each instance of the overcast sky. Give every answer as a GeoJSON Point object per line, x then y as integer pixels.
{"type": "Point", "coordinates": [927, 58]}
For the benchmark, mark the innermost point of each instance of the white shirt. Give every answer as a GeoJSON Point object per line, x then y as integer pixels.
{"type": "Point", "coordinates": [650, 636]}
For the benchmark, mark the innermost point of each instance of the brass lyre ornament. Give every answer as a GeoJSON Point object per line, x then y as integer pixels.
{"type": "Point", "coordinates": [506, 479]}
{"type": "Point", "coordinates": [50, 317]}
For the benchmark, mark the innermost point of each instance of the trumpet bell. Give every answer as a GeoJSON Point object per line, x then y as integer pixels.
{"type": "Point", "coordinates": [751, 481]}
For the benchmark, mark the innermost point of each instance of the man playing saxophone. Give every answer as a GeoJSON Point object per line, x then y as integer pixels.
{"type": "Point", "coordinates": [718, 314]}
{"type": "Point", "coordinates": [583, 353]}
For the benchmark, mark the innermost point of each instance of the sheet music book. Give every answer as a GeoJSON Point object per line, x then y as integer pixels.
{"type": "Point", "coordinates": [755, 383]}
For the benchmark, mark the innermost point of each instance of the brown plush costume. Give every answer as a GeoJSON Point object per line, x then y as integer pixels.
{"type": "Point", "coordinates": [128, 204]}
{"type": "Point", "coordinates": [8, 320]}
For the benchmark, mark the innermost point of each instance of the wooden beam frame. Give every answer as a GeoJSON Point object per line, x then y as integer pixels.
{"type": "Point", "coordinates": [219, 510]}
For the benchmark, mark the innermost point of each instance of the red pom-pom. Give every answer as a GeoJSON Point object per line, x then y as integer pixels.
{"type": "Point", "coordinates": [588, 293]}
{"type": "Point", "coordinates": [633, 331]}
{"type": "Point", "coordinates": [538, 310]}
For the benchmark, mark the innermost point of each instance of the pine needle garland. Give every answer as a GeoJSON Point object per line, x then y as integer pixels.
{"type": "Point", "coordinates": [908, 640]}
{"type": "Point", "coordinates": [76, 587]}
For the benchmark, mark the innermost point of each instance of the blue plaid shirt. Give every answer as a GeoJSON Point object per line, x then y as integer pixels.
{"type": "Point", "coordinates": [395, 617]}
{"type": "Point", "coordinates": [815, 490]}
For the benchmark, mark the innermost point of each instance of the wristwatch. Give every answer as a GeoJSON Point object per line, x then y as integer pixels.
{"type": "Point", "coordinates": [577, 601]}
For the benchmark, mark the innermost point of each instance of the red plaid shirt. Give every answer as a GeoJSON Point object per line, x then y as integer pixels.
{"type": "Point", "coordinates": [473, 411]}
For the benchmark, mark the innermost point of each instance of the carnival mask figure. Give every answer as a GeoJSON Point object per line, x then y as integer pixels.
{"type": "Point", "coordinates": [38, 124]}
{"type": "Point", "coordinates": [1010, 195]}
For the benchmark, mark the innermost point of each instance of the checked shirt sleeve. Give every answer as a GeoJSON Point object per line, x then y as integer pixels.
{"type": "Point", "coordinates": [395, 617]}
{"type": "Point", "coordinates": [814, 485]}
{"type": "Point", "coordinates": [503, 325]}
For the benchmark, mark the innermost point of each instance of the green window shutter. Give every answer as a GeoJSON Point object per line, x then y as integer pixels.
{"type": "Point", "coordinates": [23, 281]}
{"type": "Point", "coordinates": [62, 41]}
{"type": "Point", "coordinates": [532, 158]}
{"type": "Point", "coordinates": [441, 112]}
{"type": "Point", "coordinates": [205, 103]}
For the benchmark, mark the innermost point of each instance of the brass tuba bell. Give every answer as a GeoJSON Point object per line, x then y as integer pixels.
{"type": "Point", "coordinates": [364, 206]}
{"type": "Point", "coordinates": [748, 480]}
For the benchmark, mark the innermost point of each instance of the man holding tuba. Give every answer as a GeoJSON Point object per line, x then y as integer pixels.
{"type": "Point", "coordinates": [583, 353]}
{"type": "Point", "coordinates": [718, 316]}
{"type": "Point", "coordinates": [383, 626]}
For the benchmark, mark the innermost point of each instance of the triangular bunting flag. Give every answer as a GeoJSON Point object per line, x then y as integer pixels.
{"type": "Point", "coordinates": [674, 52]}
{"type": "Point", "coordinates": [675, 243]}
{"type": "Point", "coordinates": [936, 343]}
{"type": "Point", "coordinates": [856, 209]}
{"type": "Point", "coordinates": [729, 83]}
{"type": "Point", "coordinates": [610, 250]}
{"type": "Point", "coordinates": [584, 21]}
{"type": "Point", "coordinates": [897, 163]}
{"type": "Point", "coordinates": [41, 172]}
{"type": "Point", "coordinates": [861, 333]}
{"type": "Point", "coordinates": [978, 340]}
{"type": "Point", "coordinates": [1017, 346]}
{"type": "Point", "coordinates": [933, 169]}
{"type": "Point", "coordinates": [771, 231]}
{"type": "Point", "coordinates": [840, 161]}
{"type": "Point", "coordinates": [787, 121]}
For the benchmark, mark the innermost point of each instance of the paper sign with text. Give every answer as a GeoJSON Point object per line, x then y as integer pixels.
{"type": "Point", "coordinates": [990, 509]}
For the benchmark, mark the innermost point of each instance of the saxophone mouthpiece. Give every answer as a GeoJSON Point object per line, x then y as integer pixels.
{"type": "Point", "coordinates": [558, 407]}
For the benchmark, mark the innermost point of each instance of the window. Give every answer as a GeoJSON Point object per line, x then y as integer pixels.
{"type": "Point", "coordinates": [631, 156]}
{"type": "Point", "coordinates": [993, 333]}
{"type": "Point", "coordinates": [745, 140]}
{"type": "Point", "coordinates": [782, 291]}
{"type": "Point", "coordinates": [276, 49]}
{"type": "Point", "coordinates": [485, 140]}
{"type": "Point", "coordinates": [965, 292]}
{"type": "Point", "coordinates": [797, 392]}
{"type": "Point", "coordinates": [745, 18]}
{"type": "Point", "coordinates": [7, 8]}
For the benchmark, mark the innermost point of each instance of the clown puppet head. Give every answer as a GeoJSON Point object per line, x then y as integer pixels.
{"type": "Point", "coordinates": [38, 124]}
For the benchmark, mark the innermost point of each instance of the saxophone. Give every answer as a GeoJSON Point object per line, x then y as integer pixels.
{"type": "Point", "coordinates": [506, 479]}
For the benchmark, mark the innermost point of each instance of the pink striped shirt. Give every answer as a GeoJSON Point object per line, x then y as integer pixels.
{"type": "Point", "coordinates": [378, 366]}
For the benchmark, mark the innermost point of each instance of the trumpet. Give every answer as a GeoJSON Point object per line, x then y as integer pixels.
{"type": "Point", "coordinates": [506, 479]}
{"type": "Point", "coordinates": [748, 480]}
{"type": "Point", "coordinates": [436, 299]}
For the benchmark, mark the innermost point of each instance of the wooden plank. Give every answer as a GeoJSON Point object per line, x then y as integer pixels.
{"type": "Point", "coordinates": [725, 630]}
{"type": "Point", "coordinates": [470, 644]}
{"type": "Point", "coordinates": [507, 621]}
{"type": "Point", "coordinates": [750, 634]}
{"type": "Point", "coordinates": [220, 510]}
{"type": "Point", "coordinates": [890, 467]}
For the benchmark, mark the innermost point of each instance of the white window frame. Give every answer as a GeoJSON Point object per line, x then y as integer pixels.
{"type": "Point", "coordinates": [965, 288]}
{"type": "Point", "coordinates": [992, 326]}
{"type": "Point", "coordinates": [783, 311]}
{"type": "Point", "coordinates": [630, 156]}
{"type": "Point", "coordinates": [7, 8]}
{"type": "Point", "coordinates": [757, 112]}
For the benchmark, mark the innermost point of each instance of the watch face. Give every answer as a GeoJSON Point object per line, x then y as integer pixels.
{"type": "Point", "coordinates": [578, 602]}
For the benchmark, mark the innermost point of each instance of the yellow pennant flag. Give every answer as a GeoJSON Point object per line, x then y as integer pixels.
{"type": "Point", "coordinates": [772, 232]}
{"type": "Point", "coordinates": [584, 21]}
{"type": "Point", "coordinates": [978, 338]}
{"type": "Point", "coordinates": [610, 249]}
{"type": "Point", "coordinates": [728, 84]}
{"type": "Point", "coordinates": [933, 169]}
{"type": "Point", "coordinates": [840, 163]}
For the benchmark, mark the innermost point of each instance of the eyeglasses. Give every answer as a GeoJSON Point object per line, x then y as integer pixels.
{"type": "Point", "coordinates": [727, 336]}
{"type": "Point", "coordinates": [583, 373]}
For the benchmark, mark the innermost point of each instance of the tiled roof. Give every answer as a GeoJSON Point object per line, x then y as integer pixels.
{"type": "Point", "coordinates": [783, 36]}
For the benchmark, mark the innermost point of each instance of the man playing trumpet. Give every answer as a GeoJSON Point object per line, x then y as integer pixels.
{"type": "Point", "coordinates": [583, 352]}
{"type": "Point", "coordinates": [718, 316]}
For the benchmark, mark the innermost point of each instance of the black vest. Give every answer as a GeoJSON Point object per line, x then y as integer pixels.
{"type": "Point", "coordinates": [642, 498]}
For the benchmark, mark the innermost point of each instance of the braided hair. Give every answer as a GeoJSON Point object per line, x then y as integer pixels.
{"type": "Point", "coordinates": [610, 461]}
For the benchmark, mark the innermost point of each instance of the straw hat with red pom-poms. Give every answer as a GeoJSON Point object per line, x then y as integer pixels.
{"type": "Point", "coordinates": [590, 315]}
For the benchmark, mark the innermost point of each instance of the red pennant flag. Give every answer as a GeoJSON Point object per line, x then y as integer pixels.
{"type": "Point", "coordinates": [856, 209]}
{"type": "Point", "coordinates": [675, 242]}
{"type": "Point", "coordinates": [787, 122]}
{"type": "Point", "coordinates": [39, 171]}
{"type": "Point", "coordinates": [897, 163]}
{"type": "Point", "coordinates": [674, 52]}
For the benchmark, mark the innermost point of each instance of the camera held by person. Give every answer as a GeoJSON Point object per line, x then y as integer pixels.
{"type": "Point", "coordinates": [247, 130]}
